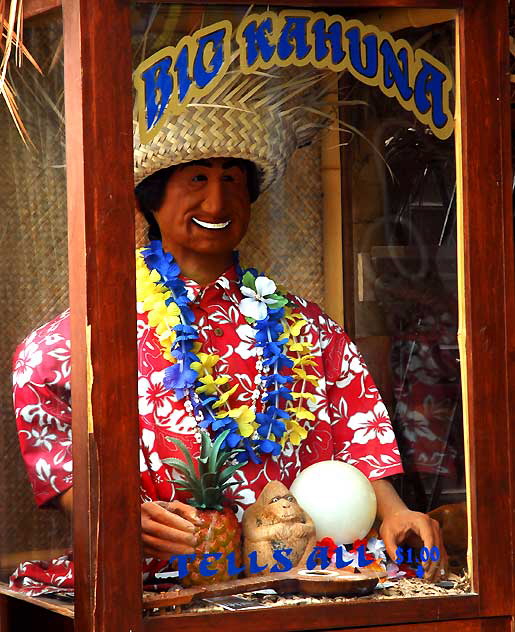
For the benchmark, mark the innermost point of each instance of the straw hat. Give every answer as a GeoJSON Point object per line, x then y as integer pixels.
{"type": "Point", "coordinates": [261, 117]}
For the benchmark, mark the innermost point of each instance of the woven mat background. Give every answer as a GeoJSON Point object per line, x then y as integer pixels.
{"type": "Point", "coordinates": [33, 272]}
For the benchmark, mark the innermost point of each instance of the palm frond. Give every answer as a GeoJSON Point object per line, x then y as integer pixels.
{"type": "Point", "coordinates": [12, 50]}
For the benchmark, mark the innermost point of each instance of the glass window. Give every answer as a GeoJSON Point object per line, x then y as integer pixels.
{"type": "Point", "coordinates": [348, 118]}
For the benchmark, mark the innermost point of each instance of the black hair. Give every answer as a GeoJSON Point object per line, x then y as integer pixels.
{"type": "Point", "coordinates": [150, 192]}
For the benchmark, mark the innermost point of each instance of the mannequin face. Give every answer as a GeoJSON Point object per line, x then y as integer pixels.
{"type": "Point", "coordinates": [205, 211]}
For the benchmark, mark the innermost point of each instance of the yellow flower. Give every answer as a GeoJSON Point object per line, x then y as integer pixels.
{"type": "Point", "coordinates": [205, 364]}
{"type": "Point", "coordinates": [296, 328]}
{"type": "Point", "coordinates": [305, 360]}
{"type": "Point", "coordinates": [300, 347]}
{"type": "Point", "coordinates": [154, 276]}
{"type": "Point", "coordinates": [309, 396]}
{"type": "Point", "coordinates": [305, 377]}
{"type": "Point", "coordinates": [244, 417]}
{"type": "Point", "coordinates": [224, 397]}
{"type": "Point", "coordinates": [210, 384]}
{"type": "Point", "coordinates": [294, 432]}
{"type": "Point", "coordinates": [301, 413]}
{"type": "Point", "coordinates": [297, 433]}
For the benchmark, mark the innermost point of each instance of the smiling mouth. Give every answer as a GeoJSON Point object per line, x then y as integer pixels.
{"type": "Point", "coordinates": [209, 225]}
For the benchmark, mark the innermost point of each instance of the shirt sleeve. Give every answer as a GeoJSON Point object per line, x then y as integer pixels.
{"type": "Point", "coordinates": [42, 405]}
{"type": "Point", "coordinates": [362, 431]}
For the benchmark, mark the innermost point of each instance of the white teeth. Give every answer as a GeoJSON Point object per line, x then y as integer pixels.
{"type": "Point", "coordinates": [211, 226]}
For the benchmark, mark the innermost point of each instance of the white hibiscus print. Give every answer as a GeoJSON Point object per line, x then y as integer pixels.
{"type": "Point", "coordinates": [28, 359]}
{"type": "Point", "coordinates": [246, 348]}
{"type": "Point", "coordinates": [43, 438]}
{"type": "Point", "coordinates": [148, 438]}
{"type": "Point", "coordinates": [52, 339]}
{"type": "Point", "coordinates": [373, 424]}
{"type": "Point", "coordinates": [154, 398]}
{"type": "Point", "coordinates": [414, 424]}
{"type": "Point", "coordinates": [352, 365]}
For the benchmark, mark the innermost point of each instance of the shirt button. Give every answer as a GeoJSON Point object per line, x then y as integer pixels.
{"type": "Point", "coordinates": [218, 331]}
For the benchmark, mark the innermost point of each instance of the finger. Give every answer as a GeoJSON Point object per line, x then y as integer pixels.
{"type": "Point", "coordinates": [166, 533]}
{"type": "Point", "coordinates": [165, 547]}
{"type": "Point", "coordinates": [186, 511]}
{"type": "Point", "coordinates": [433, 568]}
{"type": "Point", "coordinates": [390, 544]}
{"type": "Point", "coordinates": [157, 513]}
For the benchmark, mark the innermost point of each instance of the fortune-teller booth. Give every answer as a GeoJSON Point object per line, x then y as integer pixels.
{"type": "Point", "coordinates": [374, 147]}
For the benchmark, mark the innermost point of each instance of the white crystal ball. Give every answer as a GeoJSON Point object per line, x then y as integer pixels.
{"type": "Point", "coordinates": [339, 498]}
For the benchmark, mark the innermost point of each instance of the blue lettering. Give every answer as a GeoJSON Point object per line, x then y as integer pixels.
{"type": "Point", "coordinates": [362, 560]}
{"type": "Point", "coordinates": [392, 71]}
{"type": "Point", "coordinates": [182, 562]}
{"type": "Point", "coordinates": [429, 81]}
{"type": "Point", "coordinates": [339, 558]}
{"type": "Point", "coordinates": [201, 73]}
{"type": "Point", "coordinates": [369, 68]}
{"type": "Point", "coordinates": [232, 568]}
{"type": "Point", "coordinates": [204, 569]}
{"type": "Point", "coordinates": [158, 89]}
{"type": "Point", "coordinates": [183, 79]}
{"type": "Point", "coordinates": [257, 41]}
{"type": "Point", "coordinates": [254, 567]}
{"type": "Point", "coordinates": [315, 558]}
{"type": "Point", "coordinates": [295, 28]}
{"type": "Point", "coordinates": [334, 35]}
{"type": "Point", "coordinates": [282, 556]}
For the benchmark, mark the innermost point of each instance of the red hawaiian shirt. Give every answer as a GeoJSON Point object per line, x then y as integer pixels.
{"type": "Point", "coordinates": [351, 422]}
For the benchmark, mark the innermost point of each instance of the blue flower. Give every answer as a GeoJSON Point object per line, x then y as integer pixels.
{"type": "Point", "coordinates": [278, 392]}
{"type": "Point", "coordinates": [247, 454]}
{"type": "Point", "coordinates": [269, 447]}
{"type": "Point", "coordinates": [178, 378]}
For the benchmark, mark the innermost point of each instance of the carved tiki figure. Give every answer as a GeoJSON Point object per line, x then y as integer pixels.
{"type": "Point", "coordinates": [276, 521]}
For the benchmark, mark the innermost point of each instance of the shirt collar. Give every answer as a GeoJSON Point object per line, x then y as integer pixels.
{"type": "Point", "coordinates": [227, 285]}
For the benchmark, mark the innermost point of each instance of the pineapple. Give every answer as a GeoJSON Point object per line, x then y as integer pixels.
{"type": "Point", "coordinates": [220, 531]}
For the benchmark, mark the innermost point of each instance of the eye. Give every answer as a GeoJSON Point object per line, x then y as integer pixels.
{"type": "Point", "coordinates": [200, 177]}
{"type": "Point", "coordinates": [227, 178]}
{"type": "Point", "coordinates": [274, 500]}
{"type": "Point", "coordinates": [291, 499]}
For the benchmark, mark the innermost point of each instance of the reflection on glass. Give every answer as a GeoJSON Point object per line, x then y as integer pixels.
{"type": "Point", "coordinates": [34, 290]}
{"type": "Point", "coordinates": [402, 227]}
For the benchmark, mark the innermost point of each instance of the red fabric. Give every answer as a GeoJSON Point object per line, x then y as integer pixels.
{"type": "Point", "coordinates": [351, 421]}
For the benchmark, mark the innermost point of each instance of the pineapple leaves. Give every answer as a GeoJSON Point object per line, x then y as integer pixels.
{"type": "Point", "coordinates": [184, 450]}
{"type": "Point", "coordinates": [213, 457]}
{"type": "Point", "coordinates": [228, 472]}
{"type": "Point", "coordinates": [207, 483]}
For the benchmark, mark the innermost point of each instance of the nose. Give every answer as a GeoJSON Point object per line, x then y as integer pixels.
{"type": "Point", "coordinates": [213, 202]}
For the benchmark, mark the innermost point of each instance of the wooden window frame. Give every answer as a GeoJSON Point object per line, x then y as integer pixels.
{"type": "Point", "coordinates": [106, 525]}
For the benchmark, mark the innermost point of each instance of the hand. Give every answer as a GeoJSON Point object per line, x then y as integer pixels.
{"type": "Point", "coordinates": [415, 529]}
{"type": "Point", "coordinates": [168, 528]}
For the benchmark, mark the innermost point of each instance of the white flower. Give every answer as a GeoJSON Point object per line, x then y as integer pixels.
{"type": "Point", "coordinates": [255, 305]}
{"type": "Point", "coordinates": [373, 424]}
{"type": "Point", "coordinates": [246, 349]}
{"type": "Point", "coordinates": [43, 438]}
{"type": "Point", "coordinates": [154, 398]}
{"type": "Point", "coordinates": [26, 362]}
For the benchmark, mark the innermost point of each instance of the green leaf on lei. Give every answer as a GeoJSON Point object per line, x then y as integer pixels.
{"type": "Point", "coordinates": [248, 280]}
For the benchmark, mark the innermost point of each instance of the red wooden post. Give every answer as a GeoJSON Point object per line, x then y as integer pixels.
{"type": "Point", "coordinates": [98, 99]}
{"type": "Point", "coordinates": [488, 252]}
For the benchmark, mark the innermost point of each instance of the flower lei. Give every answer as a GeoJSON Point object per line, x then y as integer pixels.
{"type": "Point", "coordinates": [163, 296]}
